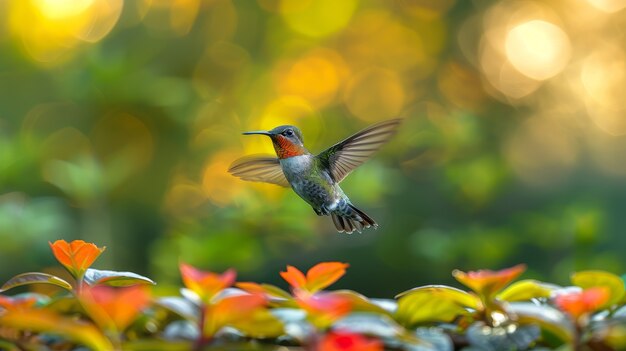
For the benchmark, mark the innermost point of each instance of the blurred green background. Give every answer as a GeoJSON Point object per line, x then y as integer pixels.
{"type": "Point", "coordinates": [119, 119]}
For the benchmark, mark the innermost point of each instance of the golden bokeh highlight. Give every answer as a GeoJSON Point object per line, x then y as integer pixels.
{"type": "Point", "coordinates": [284, 6]}
{"type": "Point", "coordinates": [520, 48]}
{"type": "Point", "coordinates": [609, 6]}
{"type": "Point", "coordinates": [457, 83]}
{"type": "Point", "coordinates": [62, 9]}
{"type": "Point", "coordinates": [169, 17]}
{"type": "Point", "coordinates": [223, 20]}
{"type": "Point", "coordinates": [375, 94]}
{"type": "Point", "coordinates": [290, 109]}
{"type": "Point", "coordinates": [50, 30]}
{"type": "Point", "coordinates": [220, 187]}
{"type": "Point", "coordinates": [316, 77]}
{"type": "Point", "coordinates": [603, 77]}
{"type": "Point", "coordinates": [503, 78]}
{"type": "Point", "coordinates": [375, 39]}
{"type": "Point", "coordinates": [319, 18]}
{"type": "Point", "coordinates": [538, 49]}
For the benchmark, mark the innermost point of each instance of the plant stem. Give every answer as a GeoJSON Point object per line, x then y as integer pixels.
{"type": "Point", "coordinates": [202, 339]}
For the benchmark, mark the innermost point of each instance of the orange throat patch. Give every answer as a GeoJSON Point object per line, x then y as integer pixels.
{"type": "Point", "coordinates": [285, 148]}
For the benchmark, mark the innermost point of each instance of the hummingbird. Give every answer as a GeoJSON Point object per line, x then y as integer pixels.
{"type": "Point", "coordinates": [316, 178]}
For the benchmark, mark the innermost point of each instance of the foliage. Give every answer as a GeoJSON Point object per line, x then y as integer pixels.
{"type": "Point", "coordinates": [119, 119]}
{"type": "Point", "coordinates": [497, 313]}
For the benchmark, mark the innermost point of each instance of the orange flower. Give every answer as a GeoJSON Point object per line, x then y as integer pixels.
{"type": "Point", "coordinates": [346, 341]}
{"type": "Point", "coordinates": [317, 278]}
{"type": "Point", "coordinates": [487, 283]}
{"type": "Point", "coordinates": [580, 303]}
{"type": "Point", "coordinates": [323, 309]}
{"type": "Point", "coordinates": [76, 256]}
{"type": "Point", "coordinates": [206, 284]}
{"type": "Point", "coordinates": [114, 308]}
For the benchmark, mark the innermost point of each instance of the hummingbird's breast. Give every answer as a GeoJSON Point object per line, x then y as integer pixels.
{"type": "Point", "coordinates": [310, 181]}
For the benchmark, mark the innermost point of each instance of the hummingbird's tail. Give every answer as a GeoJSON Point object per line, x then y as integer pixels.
{"type": "Point", "coordinates": [350, 218]}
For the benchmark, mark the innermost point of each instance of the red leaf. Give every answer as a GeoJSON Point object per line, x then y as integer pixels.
{"type": "Point", "coordinates": [324, 274]}
{"type": "Point", "coordinates": [487, 283]}
{"type": "Point", "coordinates": [294, 277]}
{"type": "Point", "coordinates": [323, 308]}
{"type": "Point", "coordinates": [76, 256]}
{"type": "Point", "coordinates": [317, 278]}
{"type": "Point", "coordinates": [579, 303]}
{"type": "Point", "coordinates": [346, 341]}
{"type": "Point", "coordinates": [114, 308]}
{"type": "Point", "coordinates": [206, 284]}
{"type": "Point", "coordinates": [230, 310]}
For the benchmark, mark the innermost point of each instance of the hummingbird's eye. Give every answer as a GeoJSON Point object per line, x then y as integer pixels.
{"type": "Point", "coordinates": [288, 132]}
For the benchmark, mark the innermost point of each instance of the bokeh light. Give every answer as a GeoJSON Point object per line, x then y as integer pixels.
{"type": "Point", "coordinates": [119, 120]}
{"type": "Point", "coordinates": [538, 49]}
{"type": "Point", "coordinates": [318, 18]}
{"type": "Point", "coordinates": [609, 6]}
{"type": "Point", "coordinates": [49, 29]}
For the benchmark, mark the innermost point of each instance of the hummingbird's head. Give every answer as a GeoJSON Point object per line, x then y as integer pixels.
{"type": "Point", "coordinates": [287, 141]}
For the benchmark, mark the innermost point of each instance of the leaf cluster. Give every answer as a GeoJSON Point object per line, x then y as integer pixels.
{"type": "Point", "coordinates": [108, 310]}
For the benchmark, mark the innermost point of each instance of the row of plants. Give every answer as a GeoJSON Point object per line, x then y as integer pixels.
{"type": "Point", "coordinates": [110, 310]}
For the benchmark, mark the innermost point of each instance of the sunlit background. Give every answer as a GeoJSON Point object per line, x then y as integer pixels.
{"type": "Point", "coordinates": [119, 119]}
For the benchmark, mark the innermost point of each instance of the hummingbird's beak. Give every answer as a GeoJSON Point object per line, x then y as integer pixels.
{"type": "Point", "coordinates": [262, 132]}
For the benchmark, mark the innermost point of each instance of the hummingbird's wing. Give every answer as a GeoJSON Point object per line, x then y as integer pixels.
{"type": "Point", "coordinates": [259, 168]}
{"type": "Point", "coordinates": [347, 155]}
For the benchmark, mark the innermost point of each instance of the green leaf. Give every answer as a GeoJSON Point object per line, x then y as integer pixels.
{"type": "Point", "coordinates": [524, 290]}
{"type": "Point", "coordinates": [66, 304]}
{"type": "Point", "coordinates": [35, 278]}
{"type": "Point", "coordinates": [590, 279]}
{"type": "Point", "coordinates": [434, 303]}
{"type": "Point", "coordinates": [115, 278]}
{"type": "Point", "coordinates": [156, 345]}
{"type": "Point", "coordinates": [6, 345]}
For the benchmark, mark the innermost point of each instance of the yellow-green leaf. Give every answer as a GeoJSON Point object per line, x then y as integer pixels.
{"type": "Point", "coordinates": [524, 290]}
{"type": "Point", "coordinates": [260, 324]}
{"type": "Point", "coordinates": [434, 303]}
{"type": "Point", "coordinates": [49, 322]}
{"type": "Point", "coordinates": [35, 278]}
{"type": "Point", "coordinates": [590, 279]}
{"type": "Point", "coordinates": [360, 303]}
